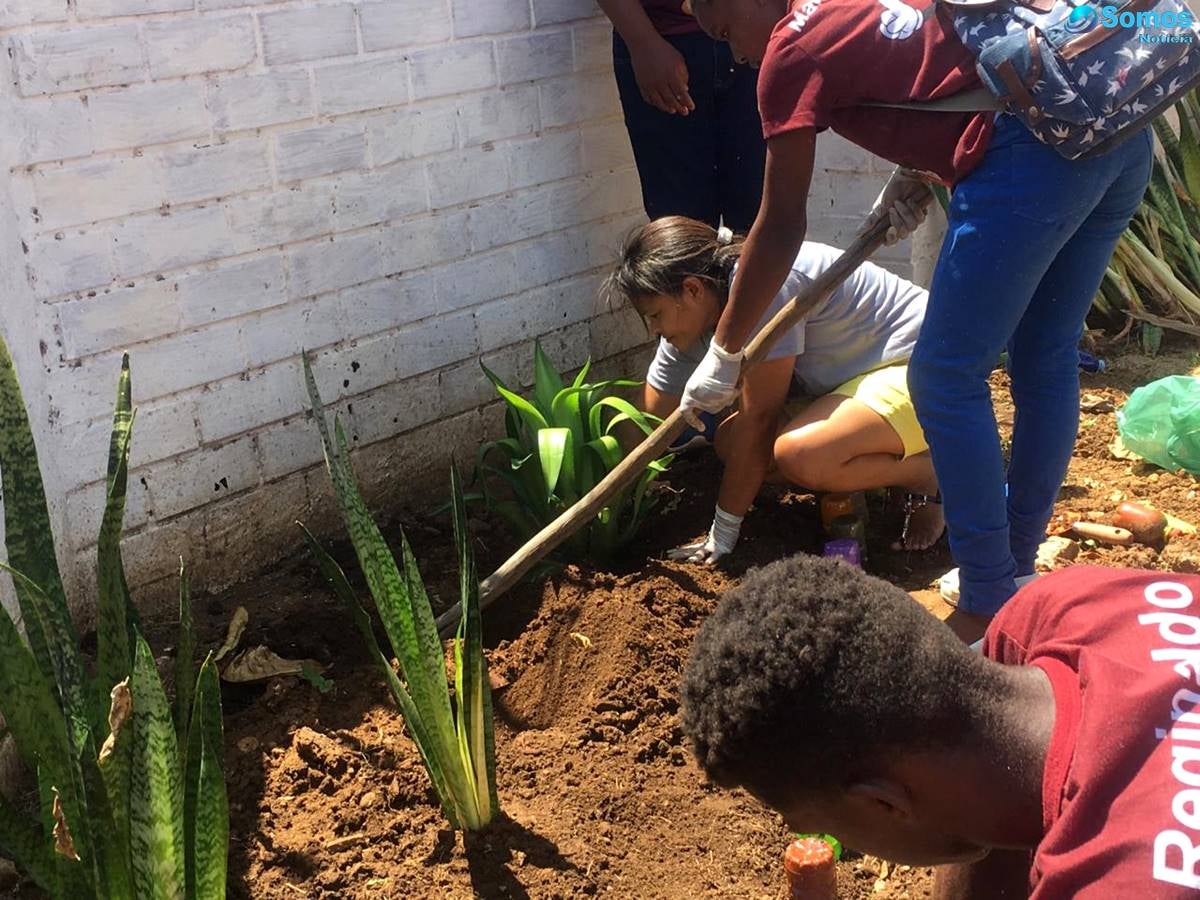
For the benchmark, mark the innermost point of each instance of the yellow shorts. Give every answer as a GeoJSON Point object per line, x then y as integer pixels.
{"type": "Point", "coordinates": [885, 391]}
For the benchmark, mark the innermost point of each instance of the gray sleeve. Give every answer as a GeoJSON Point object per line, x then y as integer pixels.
{"type": "Point", "coordinates": [792, 342]}
{"type": "Point", "coordinates": [671, 367]}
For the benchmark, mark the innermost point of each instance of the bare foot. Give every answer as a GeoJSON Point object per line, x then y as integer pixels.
{"type": "Point", "coordinates": [925, 526]}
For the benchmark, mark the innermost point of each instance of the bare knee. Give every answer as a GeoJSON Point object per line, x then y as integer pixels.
{"type": "Point", "coordinates": [804, 460]}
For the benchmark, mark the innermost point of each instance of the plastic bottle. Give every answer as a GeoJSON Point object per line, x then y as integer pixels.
{"type": "Point", "coordinates": [844, 548]}
{"type": "Point", "coordinates": [833, 506]}
{"type": "Point", "coordinates": [811, 871]}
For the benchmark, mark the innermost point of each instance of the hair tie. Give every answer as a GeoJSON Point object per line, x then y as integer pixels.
{"type": "Point", "coordinates": [724, 235]}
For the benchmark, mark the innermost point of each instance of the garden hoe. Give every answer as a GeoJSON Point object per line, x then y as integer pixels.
{"type": "Point", "coordinates": [655, 443]}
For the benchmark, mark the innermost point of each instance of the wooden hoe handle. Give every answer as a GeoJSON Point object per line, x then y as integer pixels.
{"type": "Point", "coordinates": [653, 445]}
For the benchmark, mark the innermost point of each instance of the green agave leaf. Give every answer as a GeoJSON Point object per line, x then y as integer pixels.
{"type": "Point", "coordinates": [615, 403]}
{"type": "Point", "coordinates": [28, 536]}
{"type": "Point", "coordinates": [114, 650]}
{"type": "Point", "coordinates": [156, 794]}
{"type": "Point", "coordinates": [554, 449]}
{"type": "Point", "coordinates": [546, 380]}
{"type": "Point", "coordinates": [566, 412]}
{"type": "Point", "coordinates": [608, 450]}
{"type": "Point", "coordinates": [583, 373]}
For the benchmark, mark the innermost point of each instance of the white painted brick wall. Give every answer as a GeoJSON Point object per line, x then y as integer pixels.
{"type": "Point", "coordinates": [399, 186]}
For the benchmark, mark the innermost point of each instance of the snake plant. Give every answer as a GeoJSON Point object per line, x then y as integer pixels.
{"type": "Point", "coordinates": [1154, 274]}
{"type": "Point", "coordinates": [454, 736]}
{"type": "Point", "coordinates": [130, 801]}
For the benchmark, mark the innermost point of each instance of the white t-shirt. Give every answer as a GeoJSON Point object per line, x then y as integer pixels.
{"type": "Point", "coordinates": [871, 320]}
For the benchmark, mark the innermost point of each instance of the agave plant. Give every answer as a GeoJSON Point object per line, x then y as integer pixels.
{"type": "Point", "coordinates": [557, 447]}
{"type": "Point", "coordinates": [453, 734]}
{"type": "Point", "coordinates": [131, 801]}
{"type": "Point", "coordinates": [1154, 275]}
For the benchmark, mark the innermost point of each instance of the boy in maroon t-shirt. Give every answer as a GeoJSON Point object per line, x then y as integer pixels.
{"type": "Point", "coordinates": [1029, 237]}
{"type": "Point", "coordinates": [1063, 762]}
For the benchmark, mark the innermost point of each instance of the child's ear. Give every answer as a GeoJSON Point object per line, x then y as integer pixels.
{"type": "Point", "coordinates": [883, 795]}
{"type": "Point", "coordinates": [687, 7]}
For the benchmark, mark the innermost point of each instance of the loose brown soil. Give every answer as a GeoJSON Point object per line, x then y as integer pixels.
{"type": "Point", "coordinates": [599, 792]}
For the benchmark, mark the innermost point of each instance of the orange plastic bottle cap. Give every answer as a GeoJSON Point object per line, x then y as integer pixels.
{"type": "Point", "coordinates": [811, 873]}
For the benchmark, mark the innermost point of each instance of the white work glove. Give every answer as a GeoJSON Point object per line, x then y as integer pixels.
{"type": "Point", "coordinates": [905, 201]}
{"type": "Point", "coordinates": [722, 537]}
{"type": "Point", "coordinates": [713, 386]}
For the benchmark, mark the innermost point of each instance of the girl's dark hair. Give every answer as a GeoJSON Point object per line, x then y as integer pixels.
{"type": "Point", "coordinates": [657, 256]}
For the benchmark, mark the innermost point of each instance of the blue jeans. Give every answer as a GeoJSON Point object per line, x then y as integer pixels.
{"type": "Point", "coordinates": [708, 164]}
{"type": "Point", "coordinates": [1030, 235]}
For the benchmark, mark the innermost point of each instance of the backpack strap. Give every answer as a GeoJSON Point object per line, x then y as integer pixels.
{"type": "Point", "coordinates": [977, 100]}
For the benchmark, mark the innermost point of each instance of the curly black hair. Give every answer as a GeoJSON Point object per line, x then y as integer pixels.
{"type": "Point", "coordinates": [810, 672]}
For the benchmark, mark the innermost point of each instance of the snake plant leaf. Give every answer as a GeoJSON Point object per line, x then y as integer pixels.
{"type": "Point", "coordinates": [473, 686]}
{"type": "Point", "coordinates": [206, 803]}
{"type": "Point", "coordinates": [23, 841]}
{"type": "Point", "coordinates": [110, 845]}
{"type": "Point", "coordinates": [337, 580]}
{"type": "Point", "coordinates": [156, 793]}
{"type": "Point", "coordinates": [185, 666]}
{"type": "Point", "coordinates": [115, 763]}
{"type": "Point", "coordinates": [410, 628]}
{"type": "Point", "coordinates": [68, 682]}
{"type": "Point", "coordinates": [27, 533]}
{"type": "Point", "coordinates": [29, 707]}
{"type": "Point", "coordinates": [114, 654]}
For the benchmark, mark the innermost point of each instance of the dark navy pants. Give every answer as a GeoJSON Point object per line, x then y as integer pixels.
{"type": "Point", "coordinates": [1030, 235]}
{"type": "Point", "coordinates": [708, 164]}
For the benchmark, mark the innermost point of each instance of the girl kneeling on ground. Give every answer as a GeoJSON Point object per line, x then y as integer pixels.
{"type": "Point", "coordinates": [850, 354]}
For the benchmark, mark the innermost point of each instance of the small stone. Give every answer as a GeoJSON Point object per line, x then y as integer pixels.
{"type": "Point", "coordinates": [1153, 479]}
{"type": "Point", "coordinates": [248, 744]}
{"type": "Point", "coordinates": [880, 886]}
{"type": "Point", "coordinates": [368, 800]}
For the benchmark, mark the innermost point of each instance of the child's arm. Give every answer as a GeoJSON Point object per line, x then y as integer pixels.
{"type": "Point", "coordinates": [746, 442]}
{"type": "Point", "coordinates": [752, 437]}
{"type": "Point", "coordinates": [774, 240]}
{"type": "Point", "coordinates": [767, 258]}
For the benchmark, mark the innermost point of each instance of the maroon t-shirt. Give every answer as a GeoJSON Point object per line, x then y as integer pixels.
{"type": "Point", "coordinates": [668, 17]}
{"type": "Point", "coordinates": [827, 57]}
{"type": "Point", "coordinates": [1121, 791]}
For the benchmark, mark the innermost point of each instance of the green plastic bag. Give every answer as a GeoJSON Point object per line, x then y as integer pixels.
{"type": "Point", "coordinates": [1161, 422]}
